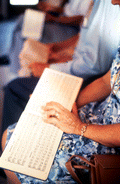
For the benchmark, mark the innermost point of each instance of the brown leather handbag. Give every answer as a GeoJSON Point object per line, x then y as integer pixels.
{"type": "Point", "coordinates": [104, 169]}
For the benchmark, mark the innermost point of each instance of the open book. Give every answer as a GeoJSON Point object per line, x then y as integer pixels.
{"type": "Point", "coordinates": [33, 145]}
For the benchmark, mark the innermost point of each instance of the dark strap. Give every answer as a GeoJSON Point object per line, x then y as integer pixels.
{"type": "Point", "coordinates": [82, 158]}
{"type": "Point", "coordinates": [72, 172]}
{"type": "Point", "coordinates": [71, 166]}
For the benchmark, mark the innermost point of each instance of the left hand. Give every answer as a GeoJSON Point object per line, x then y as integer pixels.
{"type": "Point", "coordinates": [56, 114]}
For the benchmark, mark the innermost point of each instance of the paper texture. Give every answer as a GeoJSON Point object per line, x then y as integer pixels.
{"type": "Point", "coordinates": [33, 24]}
{"type": "Point", "coordinates": [33, 145]}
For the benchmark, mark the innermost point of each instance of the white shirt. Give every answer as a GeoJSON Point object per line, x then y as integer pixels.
{"type": "Point", "coordinates": [77, 7]}
{"type": "Point", "coordinates": [97, 44]}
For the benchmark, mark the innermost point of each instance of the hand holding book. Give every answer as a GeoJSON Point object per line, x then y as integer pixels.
{"type": "Point", "coordinates": [56, 114]}
{"type": "Point", "coordinates": [33, 140]}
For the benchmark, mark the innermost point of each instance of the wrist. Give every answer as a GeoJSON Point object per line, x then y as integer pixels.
{"type": "Point", "coordinates": [83, 129]}
{"type": "Point", "coordinates": [79, 127]}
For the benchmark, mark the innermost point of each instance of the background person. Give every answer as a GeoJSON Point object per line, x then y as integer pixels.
{"type": "Point", "coordinates": [56, 29]}
{"type": "Point", "coordinates": [93, 57]}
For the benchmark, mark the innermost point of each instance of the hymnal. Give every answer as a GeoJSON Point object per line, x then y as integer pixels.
{"type": "Point", "coordinates": [33, 24]}
{"type": "Point", "coordinates": [33, 144]}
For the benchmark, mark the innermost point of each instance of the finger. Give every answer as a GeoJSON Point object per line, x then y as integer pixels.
{"type": "Point", "coordinates": [30, 95]}
{"type": "Point", "coordinates": [74, 106]}
{"type": "Point", "coordinates": [58, 124]}
{"type": "Point", "coordinates": [59, 114]}
{"type": "Point", "coordinates": [51, 113]}
{"type": "Point", "coordinates": [49, 108]}
{"type": "Point", "coordinates": [52, 121]}
{"type": "Point", "coordinates": [55, 105]}
{"type": "Point", "coordinates": [75, 110]}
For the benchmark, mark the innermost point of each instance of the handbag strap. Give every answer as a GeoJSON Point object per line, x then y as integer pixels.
{"type": "Point", "coordinates": [82, 158]}
{"type": "Point", "coordinates": [71, 166]}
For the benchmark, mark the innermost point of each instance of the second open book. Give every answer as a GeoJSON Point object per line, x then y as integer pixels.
{"type": "Point", "coordinates": [33, 145]}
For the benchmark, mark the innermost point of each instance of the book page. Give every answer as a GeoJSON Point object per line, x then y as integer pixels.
{"type": "Point", "coordinates": [33, 145]}
{"type": "Point", "coordinates": [33, 24]}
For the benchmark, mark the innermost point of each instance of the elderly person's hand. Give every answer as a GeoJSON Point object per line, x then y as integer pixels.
{"type": "Point", "coordinates": [67, 121]}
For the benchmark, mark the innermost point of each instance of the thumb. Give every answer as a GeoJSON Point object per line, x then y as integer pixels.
{"type": "Point", "coordinates": [75, 110]}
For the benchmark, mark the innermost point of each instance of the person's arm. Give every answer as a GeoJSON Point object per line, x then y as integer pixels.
{"type": "Point", "coordinates": [47, 7]}
{"type": "Point", "coordinates": [38, 68]}
{"type": "Point", "coordinates": [73, 20]}
{"type": "Point", "coordinates": [56, 55]}
{"type": "Point", "coordinates": [108, 135]}
{"type": "Point", "coordinates": [96, 91]}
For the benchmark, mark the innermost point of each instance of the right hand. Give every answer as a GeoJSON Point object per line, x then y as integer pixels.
{"type": "Point", "coordinates": [67, 121]}
{"type": "Point", "coordinates": [37, 68]}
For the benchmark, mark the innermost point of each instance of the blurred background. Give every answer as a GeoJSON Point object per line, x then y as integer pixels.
{"type": "Point", "coordinates": [9, 11]}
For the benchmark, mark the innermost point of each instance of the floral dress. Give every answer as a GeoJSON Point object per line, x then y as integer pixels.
{"type": "Point", "coordinates": [102, 113]}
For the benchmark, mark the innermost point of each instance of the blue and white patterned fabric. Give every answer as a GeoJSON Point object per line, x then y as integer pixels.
{"type": "Point", "coordinates": [106, 112]}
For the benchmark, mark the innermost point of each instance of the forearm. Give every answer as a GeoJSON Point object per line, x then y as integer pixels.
{"type": "Point", "coordinates": [108, 135]}
{"type": "Point", "coordinates": [58, 46]}
{"type": "Point", "coordinates": [75, 20]}
{"type": "Point", "coordinates": [64, 50]}
{"type": "Point", "coordinates": [47, 7]}
{"type": "Point", "coordinates": [58, 10]}
{"type": "Point", "coordinates": [96, 91]}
